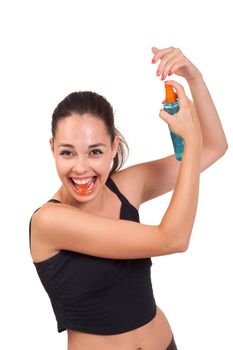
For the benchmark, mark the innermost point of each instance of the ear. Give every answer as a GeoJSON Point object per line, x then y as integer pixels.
{"type": "Point", "coordinates": [115, 146]}
{"type": "Point", "coordinates": [51, 142]}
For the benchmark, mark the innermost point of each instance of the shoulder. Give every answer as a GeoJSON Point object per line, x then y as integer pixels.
{"type": "Point", "coordinates": [55, 227]}
{"type": "Point", "coordinates": [41, 220]}
{"type": "Point", "coordinates": [46, 212]}
{"type": "Point", "coordinates": [45, 218]}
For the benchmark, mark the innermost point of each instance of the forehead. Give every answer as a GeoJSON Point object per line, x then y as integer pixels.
{"type": "Point", "coordinates": [85, 128]}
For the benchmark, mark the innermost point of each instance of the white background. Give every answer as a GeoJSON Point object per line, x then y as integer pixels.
{"type": "Point", "coordinates": [51, 48]}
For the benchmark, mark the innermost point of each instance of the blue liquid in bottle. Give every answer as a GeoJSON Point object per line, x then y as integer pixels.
{"type": "Point", "coordinates": [178, 142]}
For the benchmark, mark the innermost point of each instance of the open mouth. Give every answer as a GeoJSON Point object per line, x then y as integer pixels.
{"type": "Point", "coordinates": [85, 186]}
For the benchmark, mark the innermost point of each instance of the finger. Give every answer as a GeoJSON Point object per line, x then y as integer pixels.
{"type": "Point", "coordinates": [171, 66]}
{"type": "Point", "coordinates": [154, 50]}
{"type": "Point", "coordinates": [179, 91]}
{"type": "Point", "coordinates": [160, 53]}
{"type": "Point", "coordinates": [166, 117]}
{"type": "Point", "coordinates": [165, 64]}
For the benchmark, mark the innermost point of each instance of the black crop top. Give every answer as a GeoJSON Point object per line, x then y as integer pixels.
{"type": "Point", "coordinates": [99, 295]}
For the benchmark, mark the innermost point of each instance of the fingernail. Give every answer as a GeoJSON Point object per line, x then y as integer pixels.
{"type": "Point", "coordinates": [169, 73]}
{"type": "Point", "coordinates": [162, 77]}
{"type": "Point", "coordinates": [153, 60]}
{"type": "Point", "coordinates": [158, 73]}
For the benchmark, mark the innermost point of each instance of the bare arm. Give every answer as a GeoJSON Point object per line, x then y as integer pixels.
{"type": "Point", "coordinates": [214, 139]}
{"type": "Point", "coordinates": [173, 61]}
{"type": "Point", "coordinates": [181, 212]}
{"type": "Point", "coordinates": [151, 179]}
{"type": "Point", "coordinates": [65, 227]}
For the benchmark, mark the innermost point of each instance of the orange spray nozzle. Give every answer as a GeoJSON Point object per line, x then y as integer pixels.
{"type": "Point", "coordinates": [170, 94]}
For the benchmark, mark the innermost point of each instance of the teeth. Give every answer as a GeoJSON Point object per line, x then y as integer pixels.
{"type": "Point", "coordinates": [82, 182]}
{"type": "Point", "coordinates": [84, 187]}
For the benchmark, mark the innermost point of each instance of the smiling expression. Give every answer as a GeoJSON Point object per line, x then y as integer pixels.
{"type": "Point", "coordinates": [83, 154]}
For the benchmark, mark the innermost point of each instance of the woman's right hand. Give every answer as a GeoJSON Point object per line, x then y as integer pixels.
{"type": "Point", "coordinates": [185, 122]}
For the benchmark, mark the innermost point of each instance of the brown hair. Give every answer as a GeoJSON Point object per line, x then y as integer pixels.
{"type": "Point", "coordinates": [90, 102]}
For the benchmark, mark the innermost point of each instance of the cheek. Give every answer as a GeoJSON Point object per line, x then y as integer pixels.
{"type": "Point", "coordinates": [101, 164]}
{"type": "Point", "coordinates": [63, 166]}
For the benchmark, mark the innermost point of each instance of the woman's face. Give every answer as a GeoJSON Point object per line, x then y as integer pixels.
{"type": "Point", "coordinates": [83, 154]}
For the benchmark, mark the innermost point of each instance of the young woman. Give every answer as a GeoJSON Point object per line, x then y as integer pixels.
{"type": "Point", "coordinates": [90, 251]}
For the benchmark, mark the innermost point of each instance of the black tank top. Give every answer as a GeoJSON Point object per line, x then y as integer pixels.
{"type": "Point", "coordinates": [99, 295]}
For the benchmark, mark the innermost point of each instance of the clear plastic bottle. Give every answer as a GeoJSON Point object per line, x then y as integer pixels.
{"type": "Point", "coordinates": [171, 106]}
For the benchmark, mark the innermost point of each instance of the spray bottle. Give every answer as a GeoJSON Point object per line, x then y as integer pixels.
{"type": "Point", "coordinates": [171, 106]}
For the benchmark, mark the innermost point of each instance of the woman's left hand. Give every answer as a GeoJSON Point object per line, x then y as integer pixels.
{"type": "Point", "coordinates": [172, 61]}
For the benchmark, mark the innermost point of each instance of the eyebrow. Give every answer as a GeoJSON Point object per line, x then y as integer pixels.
{"type": "Point", "coordinates": [91, 146]}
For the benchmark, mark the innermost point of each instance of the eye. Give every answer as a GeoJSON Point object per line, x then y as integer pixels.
{"type": "Point", "coordinates": [96, 152]}
{"type": "Point", "coordinates": [67, 154]}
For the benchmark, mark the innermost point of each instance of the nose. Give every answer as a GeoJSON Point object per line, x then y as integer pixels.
{"type": "Point", "coordinates": [81, 165]}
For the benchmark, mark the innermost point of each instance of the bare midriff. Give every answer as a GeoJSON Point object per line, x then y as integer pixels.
{"type": "Point", "coordinates": [155, 335]}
